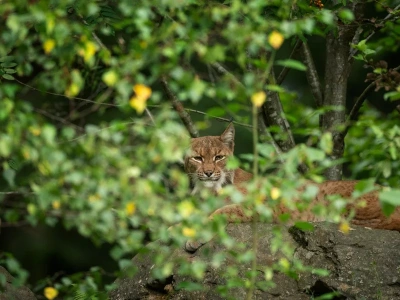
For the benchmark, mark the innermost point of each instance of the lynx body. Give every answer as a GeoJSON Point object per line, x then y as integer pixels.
{"type": "Point", "coordinates": [206, 168]}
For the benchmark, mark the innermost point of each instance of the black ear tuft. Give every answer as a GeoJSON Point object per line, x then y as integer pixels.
{"type": "Point", "coordinates": [228, 136]}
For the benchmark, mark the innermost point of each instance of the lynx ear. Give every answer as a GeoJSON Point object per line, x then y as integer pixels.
{"type": "Point", "coordinates": [228, 136]}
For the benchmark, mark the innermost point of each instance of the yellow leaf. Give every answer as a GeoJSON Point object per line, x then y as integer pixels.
{"type": "Point", "coordinates": [188, 232]}
{"type": "Point", "coordinates": [143, 44]}
{"type": "Point", "coordinates": [258, 98]}
{"type": "Point", "coordinates": [110, 78]}
{"type": "Point", "coordinates": [275, 193]}
{"type": "Point", "coordinates": [275, 39]}
{"type": "Point", "coordinates": [138, 102]}
{"type": "Point", "coordinates": [130, 208]}
{"type": "Point", "coordinates": [259, 199]}
{"type": "Point", "coordinates": [89, 49]}
{"type": "Point", "coordinates": [72, 90]}
{"type": "Point", "coordinates": [94, 198]}
{"type": "Point", "coordinates": [284, 263]}
{"type": "Point", "coordinates": [48, 46]}
{"type": "Point", "coordinates": [35, 131]}
{"type": "Point", "coordinates": [56, 204]}
{"type": "Point", "coordinates": [50, 293]}
{"type": "Point", "coordinates": [344, 227]}
{"type": "Point", "coordinates": [49, 25]}
{"type": "Point", "coordinates": [185, 208]}
{"type": "Point", "coordinates": [142, 91]}
{"type": "Point", "coordinates": [32, 209]}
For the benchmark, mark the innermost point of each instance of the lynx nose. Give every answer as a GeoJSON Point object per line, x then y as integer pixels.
{"type": "Point", "coordinates": [208, 173]}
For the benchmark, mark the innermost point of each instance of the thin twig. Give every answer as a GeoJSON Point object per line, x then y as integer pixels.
{"type": "Point", "coordinates": [224, 71]}
{"type": "Point", "coordinates": [378, 26]}
{"type": "Point", "coordinates": [183, 114]}
{"type": "Point", "coordinates": [285, 70]}
{"type": "Point", "coordinates": [254, 224]}
{"type": "Point", "coordinates": [56, 118]}
{"type": "Point", "coordinates": [16, 193]}
{"type": "Point", "coordinates": [150, 116]}
{"type": "Point", "coordinates": [273, 115]}
{"type": "Point", "coordinates": [312, 74]}
{"type": "Point", "coordinates": [97, 39]}
{"type": "Point", "coordinates": [210, 116]}
{"type": "Point", "coordinates": [359, 102]}
{"type": "Point", "coordinates": [64, 96]}
{"type": "Point", "coordinates": [268, 137]}
{"type": "Point", "coordinates": [14, 224]}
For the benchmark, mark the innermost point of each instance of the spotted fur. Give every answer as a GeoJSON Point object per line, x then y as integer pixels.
{"type": "Point", "coordinates": [208, 147]}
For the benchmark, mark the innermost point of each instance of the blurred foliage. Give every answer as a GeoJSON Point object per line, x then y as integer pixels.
{"type": "Point", "coordinates": [77, 147]}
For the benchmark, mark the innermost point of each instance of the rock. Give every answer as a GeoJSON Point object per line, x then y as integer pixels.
{"type": "Point", "coordinates": [14, 293]}
{"type": "Point", "coordinates": [364, 264]}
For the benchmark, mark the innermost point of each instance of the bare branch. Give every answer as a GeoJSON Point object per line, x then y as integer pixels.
{"type": "Point", "coordinates": [273, 115]}
{"type": "Point", "coordinates": [210, 116]}
{"type": "Point", "coordinates": [359, 102]}
{"type": "Point", "coordinates": [150, 116]}
{"type": "Point", "coordinates": [356, 108]}
{"type": "Point", "coordinates": [183, 114]}
{"type": "Point", "coordinates": [312, 74]}
{"type": "Point", "coordinates": [56, 118]}
{"type": "Point", "coordinates": [285, 70]}
{"type": "Point", "coordinates": [224, 71]}
{"type": "Point", "coordinates": [267, 137]}
{"type": "Point", "coordinates": [377, 27]}
{"type": "Point", "coordinates": [61, 95]}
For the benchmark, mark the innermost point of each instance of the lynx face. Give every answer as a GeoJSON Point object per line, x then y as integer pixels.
{"type": "Point", "coordinates": [205, 164]}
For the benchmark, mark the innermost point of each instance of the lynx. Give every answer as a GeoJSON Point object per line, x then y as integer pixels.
{"type": "Point", "coordinates": [206, 167]}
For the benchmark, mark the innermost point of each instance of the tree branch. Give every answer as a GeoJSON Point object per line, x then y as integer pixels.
{"type": "Point", "coordinates": [285, 70]}
{"type": "Point", "coordinates": [183, 114]}
{"type": "Point", "coordinates": [377, 27]}
{"type": "Point", "coordinates": [61, 95]}
{"type": "Point", "coordinates": [273, 115]}
{"type": "Point", "coordinates": [312, 74]}
{"type": "Point", "coordinates": [224, 71]}
{"type": "Point", "coordinates": [359, 102]}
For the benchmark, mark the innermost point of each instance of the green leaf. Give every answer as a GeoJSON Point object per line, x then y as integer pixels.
{"type": "Point", "coordinates": [346, 15]}
{"type": "Point", "coordinates": [7, 58]}
{"type": "Point", "coordinates": [304, 226]}
{"type": "Point", "coordinates": [293, 64]}
{"type": "Point", "coordinates": [275, 88]}
{"type": "Point", "coordinates": [392, 96]}
{"type": "Point", "coordinates": [362, 46]}
{"type": "Point", "coordinates": [9, 176]}
{"type": "Point", "coordinates": [8, 65]}
{"type": "Point", "coordinates": [49, 134]}
{"type": "Point", "coordinates": [196, 90]}
{"type": "Point", "coordinates": [326, 143]}
{"type": "Point", "coordinates": [8, 76]}
{"type": "Point", "coordinates": [10, 71]}
{"type": "Point", "coordinates": [390, 200]}
{"type": "Point", "coordinates": [216, 112]}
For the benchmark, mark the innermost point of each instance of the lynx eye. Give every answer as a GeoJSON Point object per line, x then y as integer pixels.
{"type": "Point", "coordinates": [197, 158]}
{"type": "Point", "coordinates": [219, 157]}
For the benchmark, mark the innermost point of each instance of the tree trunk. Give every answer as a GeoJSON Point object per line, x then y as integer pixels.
{"type": "Point", "coordinates": [337, 70]}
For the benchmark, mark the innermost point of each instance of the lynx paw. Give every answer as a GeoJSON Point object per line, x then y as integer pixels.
{"type": "Point", "coordinates": [192, 246]}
